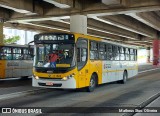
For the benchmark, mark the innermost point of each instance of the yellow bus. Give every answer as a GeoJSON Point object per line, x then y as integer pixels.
{"type": "Point", "coordinates": [71, 60]}
{"type": "Point", "coordinates": [15, 61]}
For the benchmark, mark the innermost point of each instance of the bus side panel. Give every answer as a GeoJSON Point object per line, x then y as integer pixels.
{"type": "Point", "coordinates": [95, 66]}
{"type": "Point", "coordinates": [8, 69]}
{"type": "Point", "coordinates": [123, 66]}
{"type": "Point", "coordinates": [119, 70]}
{"type": "Point", "coordinates": [26, 68]}
{"type": "Point", "coordinates": [110, 71]}
{"type": "Point", "coordinates": [133, 70]}
{"type": "Point", "coordinates": [16, 67]}
{"type": "Point", "coordinates": [2, 69]}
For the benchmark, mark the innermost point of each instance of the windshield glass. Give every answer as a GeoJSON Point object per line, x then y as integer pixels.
{"type": "Point", "coordinates": [55, 55]}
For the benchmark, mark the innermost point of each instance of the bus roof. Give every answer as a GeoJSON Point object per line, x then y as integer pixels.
{"type": "Point", "coordinates": [13, 45]}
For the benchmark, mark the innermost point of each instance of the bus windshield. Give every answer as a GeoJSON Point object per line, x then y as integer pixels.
{"type": "Point", "coordinates": [55, 55]}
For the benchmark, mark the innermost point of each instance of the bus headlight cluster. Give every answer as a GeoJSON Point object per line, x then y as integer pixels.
{"type": "Point", "coordinates": [36, 77]}
{"type": "Point", "coordinates": [68, 77]}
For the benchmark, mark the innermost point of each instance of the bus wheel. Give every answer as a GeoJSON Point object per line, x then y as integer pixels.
{"type": "Point", "coordinates": [92, 84]}
{"type": "Point", "coordinates": [125, 76]}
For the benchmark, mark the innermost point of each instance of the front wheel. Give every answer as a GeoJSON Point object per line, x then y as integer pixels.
{"type": "Point", "coordinates": [92, 84]}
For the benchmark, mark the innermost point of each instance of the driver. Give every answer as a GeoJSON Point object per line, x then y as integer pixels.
{"type": "Point", "coordinates": [53, 57]}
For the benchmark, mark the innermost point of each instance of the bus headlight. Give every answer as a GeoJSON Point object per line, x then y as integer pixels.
{"type": "Point", "coordinates": [36, 77]}
{"type": "Point", "coordinates": [68, 77]}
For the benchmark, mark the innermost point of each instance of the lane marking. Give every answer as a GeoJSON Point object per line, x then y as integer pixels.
{"type": "Point", "coordinates": [148, 70]}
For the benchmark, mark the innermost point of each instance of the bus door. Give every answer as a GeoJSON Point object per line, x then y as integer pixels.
{"type": "Point", "coordinates": [82, 53]}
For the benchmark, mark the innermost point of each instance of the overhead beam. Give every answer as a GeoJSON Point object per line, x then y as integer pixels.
{"type": "Point", "coordinates": [53, 24]}
{"type": "Point", "coordinates": [92, 24]}
{"type": "Point", "coordinates": [137, 44]}
{"type": "Point", "coordinates": [91, 31]}
{"type": "Point", "coordinates": [21, 6]}
{"type": "Point", "coordinates": [93, 8]}
{"type": "Point", "coordinates": [105, 35]}
{"type": "Point", "coordinates": [56, 26]}
{"type": "Point", "coordinates": [30, 27]}
{"type": "Point", "coordinates": [141, 3]}
{"type": "Point", "coordinates": [130, 24]}
{"type": "Point", "coordinates": [62, 3]}
{"type": "Point", "coordinates": [128, 6]}
{"type": "Point", "coordinates": [28, 7]}
{"type": "Point", "coordinates": [112, 29]}
{"type": "Point", "coordinates": [4, 14]}
{"type": "Point", "coordinates": [148, 18]}
{"type": "Point", "coordinates": [112, 2]}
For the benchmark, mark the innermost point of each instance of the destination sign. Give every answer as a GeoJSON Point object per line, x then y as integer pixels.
{"type": "Point", "coordinates": [54, 37]}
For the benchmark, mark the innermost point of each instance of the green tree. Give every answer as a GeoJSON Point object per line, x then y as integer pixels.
{"type": "Point", "coordinates": [11, 40]}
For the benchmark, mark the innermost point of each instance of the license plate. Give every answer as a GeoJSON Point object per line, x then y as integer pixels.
{"type": "Point", "coordinates": [49, 83]}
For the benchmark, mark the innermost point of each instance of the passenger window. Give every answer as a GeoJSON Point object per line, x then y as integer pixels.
{"type": "Point", "coordinates": [94, 50]}
{"type": "Point", "coordinates": [6, 53]}
{"type": "Point", "coordinates": [17, 54]}
{"type": "Point", "coordinates": [102, 51]}
{"type": "Point", "coordinates": [82, 46]}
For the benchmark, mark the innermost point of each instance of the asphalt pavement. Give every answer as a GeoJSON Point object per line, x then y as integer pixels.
{"type": "Point", "coordinates": [134, 93]}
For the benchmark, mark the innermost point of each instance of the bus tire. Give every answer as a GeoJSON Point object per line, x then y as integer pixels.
{"type": "Point", "coordinates": [92, 84]}
{"type": "Point", "coordinates": [125, 76]}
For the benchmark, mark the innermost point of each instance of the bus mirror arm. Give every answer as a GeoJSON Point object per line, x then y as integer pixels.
{"type": "Point", "coordinates": [29, 48]}
{"type": "Point", "coordinates": [30, 42]}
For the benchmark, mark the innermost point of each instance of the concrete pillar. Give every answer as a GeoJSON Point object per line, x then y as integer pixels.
{"type": "Point", "coordinates": [148, 54]}
{"type": "Point", "coordinates": [25, 37]}
{"type": "Point", "coordinates": [156, 52]}
{"type": "Point", "coordinates": [1, 33]}
{"type": "Point", "coordinates": [78, 24]}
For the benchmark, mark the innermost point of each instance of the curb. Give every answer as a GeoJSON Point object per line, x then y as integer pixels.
{"type": "Point", "coordinates": [144, 104]}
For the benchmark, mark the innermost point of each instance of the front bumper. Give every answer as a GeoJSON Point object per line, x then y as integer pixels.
{"type": "Point", "coordinates": [67, 84]}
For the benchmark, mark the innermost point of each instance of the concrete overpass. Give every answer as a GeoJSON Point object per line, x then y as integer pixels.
{"type": "Point", "coordinates": [133, 22]}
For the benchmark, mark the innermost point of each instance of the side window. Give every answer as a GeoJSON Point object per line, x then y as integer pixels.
{"type": "Point", "coordinates": [122, 55]}
{"type": "Point", "coordinates": [132, 58]}
{"type": "Point", "coordinates": [6, 53]}
{"type": "Point", "coordinates": [127, 53]}
{"type": "Point", "coordinates": [26, 54]}
{"type": "Point", "coordinates": [94, 50]}
{"type": "Point", "coordinates": [102, 51]}
{"type": "Point", "coordinates": [82, 53]}
{"type": "Point", "coordinates": [17, 53]}
{"type": "Point", "coordinates": [109, 51]}
{"type": "Point", "coordinates": [116, 52]}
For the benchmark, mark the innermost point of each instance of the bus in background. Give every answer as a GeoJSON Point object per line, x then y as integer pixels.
{"type": "Point", "coordinates": [15, 61]}
{"type": "Point", "coordinates": [71, 60]}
